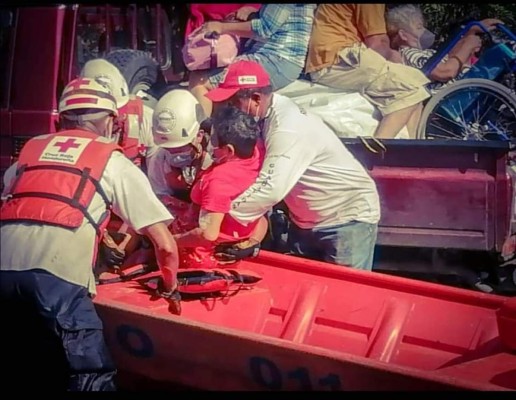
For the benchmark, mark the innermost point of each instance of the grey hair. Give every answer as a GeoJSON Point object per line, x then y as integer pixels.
{"type": "Point", "coordinates": [401, 17]}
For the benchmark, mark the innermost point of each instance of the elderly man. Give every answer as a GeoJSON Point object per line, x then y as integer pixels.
{"type": "Point", "coordinates": [408, 34]}
{"type": "Point", "coordinates": [349, 50]}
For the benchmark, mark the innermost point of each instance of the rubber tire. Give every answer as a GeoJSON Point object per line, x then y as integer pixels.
{"type": "Point", "coordinates": [139, 69]}
{"type": "Point", "coordinates": [504, 92]}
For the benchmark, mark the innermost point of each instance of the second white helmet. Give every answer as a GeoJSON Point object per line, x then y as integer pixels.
{"type": "Point", "coordinates": [107, 73]}
{"type": "Point", "coordinates": [177, 119]}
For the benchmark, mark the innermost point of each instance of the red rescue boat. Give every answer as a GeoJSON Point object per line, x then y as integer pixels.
{"type": "Point", "coordinates": [309, 325]}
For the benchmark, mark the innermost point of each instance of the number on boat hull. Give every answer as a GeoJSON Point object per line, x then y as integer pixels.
{"type": "Point", "coordinates": [267, 374]}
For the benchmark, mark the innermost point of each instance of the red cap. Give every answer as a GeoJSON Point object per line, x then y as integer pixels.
{"type": "Point", "coordinates": [239, 75]}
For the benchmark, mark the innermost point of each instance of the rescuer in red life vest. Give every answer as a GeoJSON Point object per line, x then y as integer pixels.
{"type": "Point", "coordinates": [133, 130]}
{"type": "Point", "coordinates": [56, 204]}
{"type": "Point", "coordinates": [134, 121]}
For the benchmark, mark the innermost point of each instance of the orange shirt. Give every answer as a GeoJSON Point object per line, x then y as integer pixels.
{"type": "Point", "coordinates": [337, 26]}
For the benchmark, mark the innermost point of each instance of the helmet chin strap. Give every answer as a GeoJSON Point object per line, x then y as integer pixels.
{"type": "Point", "coordinates": [92, 121]}
{"type": "Point", "coordinates": [113, 137]}
{"type": "Point", "coordinates": [85, 117]}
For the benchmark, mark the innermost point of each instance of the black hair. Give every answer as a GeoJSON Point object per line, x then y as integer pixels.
{"type": "Point", "coordinates": [235, 127]}
{"type": "Point", "coordinates": [247, 93]}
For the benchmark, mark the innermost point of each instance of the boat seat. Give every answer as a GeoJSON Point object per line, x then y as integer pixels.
{"type": "Point", "coordinates": [301, 313]}
{"type": "Point", "coordinates": [388, 331]}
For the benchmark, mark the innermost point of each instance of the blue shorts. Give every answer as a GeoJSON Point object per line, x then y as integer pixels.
{"type": "Point", "coordinates": [351, 244]}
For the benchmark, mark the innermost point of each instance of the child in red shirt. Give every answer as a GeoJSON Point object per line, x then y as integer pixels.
{"type": "Point", "coordinates": [237, 159]}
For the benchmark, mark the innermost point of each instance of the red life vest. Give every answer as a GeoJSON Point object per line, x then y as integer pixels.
{"type": "Point", "coordinates": [131, 119]}
{"type": "Point", "coordinates": [57, 176]}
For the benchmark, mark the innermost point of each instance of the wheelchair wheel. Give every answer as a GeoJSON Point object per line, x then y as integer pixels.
{"type": "Point", "coordinates": [470, 109]}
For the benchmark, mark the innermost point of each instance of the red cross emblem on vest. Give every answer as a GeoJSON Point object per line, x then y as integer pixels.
{"type": "Point", "coordinates": [68, 144]}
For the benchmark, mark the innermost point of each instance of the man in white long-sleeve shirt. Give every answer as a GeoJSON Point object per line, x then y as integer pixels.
{"type": "Point", "coordinates": [333, 202]}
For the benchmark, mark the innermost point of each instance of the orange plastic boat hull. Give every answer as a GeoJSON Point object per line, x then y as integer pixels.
{"type": "Point", "coordinates": [314, 326]}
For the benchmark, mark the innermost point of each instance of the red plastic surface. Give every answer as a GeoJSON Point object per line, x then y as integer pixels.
{"type": "Point", "coordinates": [432, 331]}
{"type": "Point", "coordinates": [507, 323]}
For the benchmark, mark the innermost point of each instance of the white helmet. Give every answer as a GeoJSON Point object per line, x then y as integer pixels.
{"type": "Point", "coordinates": [106, 72]}
{"type": "Point", "coordinates": [177, 119]}
{"type": "Point", "coordinates": [85, 93]}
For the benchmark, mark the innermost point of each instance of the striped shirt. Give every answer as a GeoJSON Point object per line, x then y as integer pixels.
{"type": "Point", "coordinates": [417, 58]}
{"type": "Point", "coordinates": [283, 30]}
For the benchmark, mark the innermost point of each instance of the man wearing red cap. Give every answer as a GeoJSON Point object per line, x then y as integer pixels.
{"type": "Point", "coordinates": [333, 202]}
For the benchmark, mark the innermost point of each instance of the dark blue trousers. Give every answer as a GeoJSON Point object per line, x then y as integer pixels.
{"type": "Point", "coordinates": [51, 337]}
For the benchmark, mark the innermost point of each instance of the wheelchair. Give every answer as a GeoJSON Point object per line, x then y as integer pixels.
{"type": "Point", "coordinates": [481, 103]}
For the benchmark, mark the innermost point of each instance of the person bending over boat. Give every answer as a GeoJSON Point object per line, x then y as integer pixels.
{"type": "Point", "coordinates": [333, 202]}
{"type": "Point", "coordinates": [55, 206]}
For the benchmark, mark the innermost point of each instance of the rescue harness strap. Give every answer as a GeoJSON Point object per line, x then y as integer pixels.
{"type": "Point", "coordinates": [74, 202]}
{"type": "Point", "coordinates": [75, 171]}
{"type": "Point", "coordinates": [63, 199]}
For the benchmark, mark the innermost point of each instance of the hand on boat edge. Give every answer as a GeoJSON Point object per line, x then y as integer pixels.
{"type": "Point", "coordinates": [173, 297]}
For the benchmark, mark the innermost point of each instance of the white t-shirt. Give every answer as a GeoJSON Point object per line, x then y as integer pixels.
{"type": "Point", "coordinates": [305, 164]}
{"type": "Point", "coordinates": [66, 253]}
{"type": "Point", "coordinates": [159, 166]}
{"type": "Point", "coordinates": [157, 169]}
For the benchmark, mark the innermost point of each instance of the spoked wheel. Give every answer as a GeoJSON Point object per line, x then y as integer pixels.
{"type": "Point", "coordinates": [470, 109]}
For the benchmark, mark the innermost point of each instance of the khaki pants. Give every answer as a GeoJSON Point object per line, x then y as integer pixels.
{"type": "Point", "coordinates": [389, 86]}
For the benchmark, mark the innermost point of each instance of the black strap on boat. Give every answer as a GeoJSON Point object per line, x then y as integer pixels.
{"type": "Point", "coordinates": [379, 144]}
{"type": "Point", "coordinates": [122, 277]}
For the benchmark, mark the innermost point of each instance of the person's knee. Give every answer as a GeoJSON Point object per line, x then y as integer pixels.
{"type": "Point", "coordinates": [403, 106]}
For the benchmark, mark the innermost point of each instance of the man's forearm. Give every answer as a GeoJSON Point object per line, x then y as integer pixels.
{"type": "Point", "coordinates": [168, 263]}
{"type": "Point", "coordinates": [166, 252]}
{"type": "Point", "coordinates": [242, 29]}
{"type": "Point", "coordinates": [192, 238]}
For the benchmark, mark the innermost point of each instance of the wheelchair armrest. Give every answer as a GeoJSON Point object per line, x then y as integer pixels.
{"type": "Point", "coordinates": [448, 44]}
{"type": "Point", "coordinates": [443, 49]}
